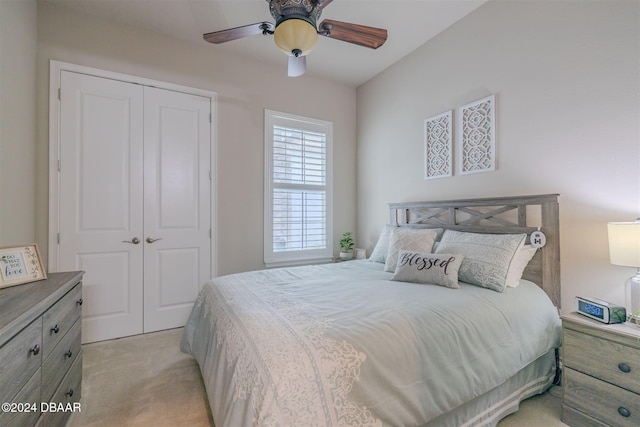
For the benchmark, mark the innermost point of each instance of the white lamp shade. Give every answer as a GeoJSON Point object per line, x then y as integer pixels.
{"type": "Point", "coordinates": [624, 243]}
{"type": "Point", "coordinates": [295, 34]}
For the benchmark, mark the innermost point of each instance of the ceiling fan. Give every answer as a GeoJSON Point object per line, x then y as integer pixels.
{"type": "Point", "coordinates": [296, 34]}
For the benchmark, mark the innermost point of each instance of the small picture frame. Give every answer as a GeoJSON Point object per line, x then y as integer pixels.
{"type": "Point", "coordinates": [20, 264]}
{"type": "Point", "coordinates": [361, 253]}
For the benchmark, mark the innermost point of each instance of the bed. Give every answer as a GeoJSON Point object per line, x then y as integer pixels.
{"type": "Point", "coordinates": [350, 344]}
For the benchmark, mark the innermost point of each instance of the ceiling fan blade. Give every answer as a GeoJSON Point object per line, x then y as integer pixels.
{"type": "Point", "coordinates": [297, 65]}
{"type": "Point", "coordinates": [222, 36]}
{"type": "Point", "coordinates": [353, 33]}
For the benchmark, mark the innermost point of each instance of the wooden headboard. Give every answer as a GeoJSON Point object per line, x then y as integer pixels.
{"type": "Point", "coordinates": [501, 215]}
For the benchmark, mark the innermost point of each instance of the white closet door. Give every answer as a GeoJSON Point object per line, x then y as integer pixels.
{"type": "Point", "coordinates": [101, 200]}
{"type": "Point", "coordinates": [177, 217]}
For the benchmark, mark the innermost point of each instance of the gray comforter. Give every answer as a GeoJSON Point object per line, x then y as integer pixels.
{"type": "Point", "coordinates": [342, 345]}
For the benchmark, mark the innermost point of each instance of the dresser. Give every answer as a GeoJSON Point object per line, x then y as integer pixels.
{"type": "Point", "coordinates": [40, 351]}
{"type": "Point", "coordinates": [601, 373]}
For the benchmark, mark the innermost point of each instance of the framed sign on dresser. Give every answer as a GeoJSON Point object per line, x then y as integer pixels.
{"type": "Point", "coordinates": [40, 352]}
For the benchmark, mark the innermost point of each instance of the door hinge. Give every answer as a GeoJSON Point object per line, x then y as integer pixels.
{"type": "Point", "coordinates": [58, 238]}
{"type": "Point", "coordinates": [59, 94]}
{"type": "Point", "coordinates": [210, 236]}
{"type": "Point", "coordinates": [59, 166]}
{"type": "Point", "coordinates": [210, 118]}
{"type": "Point", "coordinates": [209, 175]}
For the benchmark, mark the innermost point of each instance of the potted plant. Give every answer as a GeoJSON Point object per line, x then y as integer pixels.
{"type": "Point", "coordinates": [346, 246]}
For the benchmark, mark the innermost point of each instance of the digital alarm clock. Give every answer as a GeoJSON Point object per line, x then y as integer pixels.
{"type": "Point", "coordinates": [600, 310]}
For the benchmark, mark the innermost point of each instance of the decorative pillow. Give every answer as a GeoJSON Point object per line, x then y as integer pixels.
{"type": "Point", "coordinates": [487, 256]}
{"type": "Point", "coordinates": [520, 262]}
{"type": "Point", "coordinates": [418, 267]}
{"type": "Point", "coordinates": [439, 232]}
{"type": "Point", "coordinates": [379, 253]}
{"type": "Point", "coordinates": [411, 239]}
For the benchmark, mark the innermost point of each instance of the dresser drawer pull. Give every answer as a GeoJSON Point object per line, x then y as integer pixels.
{"type": "Point", "coordinates": [69, 354]}
{"type": "Point", "coordinates": [624, 367]}
{"type": "Point", "coordinates": [55, 329]}
{"type": "Point", "coordinates": [35, 350]}
{"type": "Point", "coordinates": [79, 302]}
{"type": "Point", "coordinates": [69, 393]}
{"type": "Point", "coordinates": [624, 412]}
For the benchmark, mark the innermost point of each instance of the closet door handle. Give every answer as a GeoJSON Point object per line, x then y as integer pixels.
{"type": "Point", "coordinates": [133, 241]}
{"type": "Point", "coordinates": [151, 239]}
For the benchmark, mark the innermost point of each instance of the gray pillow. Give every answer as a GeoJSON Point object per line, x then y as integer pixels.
{"type": "Point", "coordinates": [410, 239]}
{"type": "Point", "coordinates": [379, 253]}
{"type": "Point", "coordinates": [487, 257]}
{"type": "Point", "coordinates": [437, 269]}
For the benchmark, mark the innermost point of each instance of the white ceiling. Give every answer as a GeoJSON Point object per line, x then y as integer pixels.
{"type": "Point", "coordinates": [410, 23]}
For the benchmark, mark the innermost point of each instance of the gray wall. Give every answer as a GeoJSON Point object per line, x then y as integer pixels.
{"type": "Point", "coordinates": [18, 46]}
{"type": "Point", "coordinates": [566, 78]}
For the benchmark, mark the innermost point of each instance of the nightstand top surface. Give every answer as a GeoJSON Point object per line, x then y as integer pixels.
{"type": "Point", "coordinates": [620, 328]}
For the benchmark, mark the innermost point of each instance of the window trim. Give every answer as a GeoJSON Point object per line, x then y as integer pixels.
{"type": "Point", "coordinates": [312, 256]}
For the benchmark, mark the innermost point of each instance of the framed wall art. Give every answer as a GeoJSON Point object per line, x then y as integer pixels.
{"type": "Point", "coordinates": [476, 136]}
{"type": "Point", "coordinates": [438, 151]}
{"type": "Point", "coordinates": [20, 264]}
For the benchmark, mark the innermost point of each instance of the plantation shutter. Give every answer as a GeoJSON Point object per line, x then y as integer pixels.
{"type": "Point", "coordinates": [298, 177]}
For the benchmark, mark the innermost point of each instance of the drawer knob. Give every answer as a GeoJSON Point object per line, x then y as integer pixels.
{"type": "Point", "coordinates": [56, 329]}
{"type": "Point", "coordinates": [35, 350]}
{"type": "Point", "coordinates": [79, 302]}
{"type": "Point", "coordinates": [69, 393]}
{"type": "Point", "coordinates": [624, 367]}
{"type": "Point", "coordinates": [69, 353]}
{"type": "Point", "coordinates": [624, 412]}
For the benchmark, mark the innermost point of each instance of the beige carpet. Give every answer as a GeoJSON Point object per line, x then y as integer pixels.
{"type": "Point", "coordinates": [145, 381]}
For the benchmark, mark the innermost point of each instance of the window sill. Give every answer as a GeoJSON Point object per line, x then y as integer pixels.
{"type": "Point", "coordinates": [296, 263]}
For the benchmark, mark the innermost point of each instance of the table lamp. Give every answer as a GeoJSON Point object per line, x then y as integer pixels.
{"type": "Point", "coordinates": [624, 249]}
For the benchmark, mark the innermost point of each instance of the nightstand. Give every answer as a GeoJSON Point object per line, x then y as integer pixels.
{"type": "Point", "coordinates": [601, 373]}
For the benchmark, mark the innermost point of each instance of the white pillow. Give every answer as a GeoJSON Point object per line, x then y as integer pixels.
{"type": "Point", "coordinates": [418, 267]}
{"type": "Point", "coordinates": [520, 262]}
{"type": "Point", "coordinates": [411, 239]}
{"type": "Point", "coordinates": [487, 256]}
{"type": "Point", "coordinates": [379, 253]}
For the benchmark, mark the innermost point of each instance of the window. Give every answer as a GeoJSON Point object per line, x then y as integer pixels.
{"type": "Point", "coordinates": [298, 190]}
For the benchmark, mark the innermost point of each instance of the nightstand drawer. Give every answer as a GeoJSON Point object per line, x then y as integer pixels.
{"type": "Point", "coordinates": [610, 404]}
{"type": "Point", "coordinates": [608, 360]}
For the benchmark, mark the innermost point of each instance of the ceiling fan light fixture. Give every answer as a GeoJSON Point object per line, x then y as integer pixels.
{"type": "Point", "coordinates": [295, 34]}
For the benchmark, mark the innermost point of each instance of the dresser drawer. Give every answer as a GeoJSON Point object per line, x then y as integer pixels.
{"type": "Point", "coordinates": [610, 404]}
{"type": "Point", "coordinates": [26, 311]}
{"type": "Point", "coordinates": [66, 396]}
{"type": "Point", "coordinates": [601, 358]}
{"type": "Point", "coordinates": [59, 319]}
{"type": "Point", "coordinates": [28, 411]}
{"type": "Point", "coordinates": [20, 358]}
{"type": "Point", "coordinates": [56, 365]}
